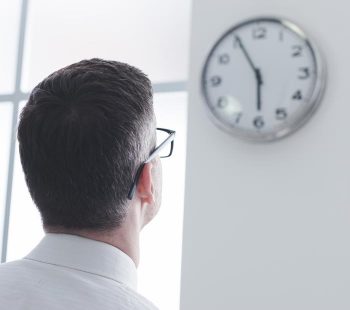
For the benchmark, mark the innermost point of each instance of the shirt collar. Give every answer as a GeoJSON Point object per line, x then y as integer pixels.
{"type": "Point", "coordinates": [87, 255]}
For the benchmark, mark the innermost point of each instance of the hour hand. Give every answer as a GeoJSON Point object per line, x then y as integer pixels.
{"type": "Point", "coordinates": [259, 83]}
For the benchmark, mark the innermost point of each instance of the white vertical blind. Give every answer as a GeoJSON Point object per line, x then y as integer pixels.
{"type": "Point", "coordinates": [6, 110]}
{"type": "Point", "coordinates": [9, 25]}
{"type": "Point", "coordinates": [152, 35]}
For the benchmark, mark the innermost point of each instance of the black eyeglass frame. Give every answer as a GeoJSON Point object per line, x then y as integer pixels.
{"type": "Point", "coordinates": [153, 154]}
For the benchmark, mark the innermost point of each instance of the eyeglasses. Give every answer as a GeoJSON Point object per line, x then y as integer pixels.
{"type": "Point", "coordinates": [164, 150]}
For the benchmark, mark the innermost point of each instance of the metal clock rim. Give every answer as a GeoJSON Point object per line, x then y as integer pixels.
{"type": "Point", "coordinates": [303, 116]}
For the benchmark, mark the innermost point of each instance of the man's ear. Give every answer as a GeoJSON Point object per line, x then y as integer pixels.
{"type": "Point", "coordinates": [145, 184]}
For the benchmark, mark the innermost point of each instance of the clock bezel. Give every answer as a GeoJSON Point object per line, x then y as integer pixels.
{"type": "Point", "coordinates": [296, 121]}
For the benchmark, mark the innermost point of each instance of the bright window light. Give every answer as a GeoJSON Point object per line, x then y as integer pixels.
{"type": "Point", "coordinates": [9, 25]}
{"type": "Point", "coordinates": [152, 35]}
{"type": "Point", "coordinates": [6, 110]}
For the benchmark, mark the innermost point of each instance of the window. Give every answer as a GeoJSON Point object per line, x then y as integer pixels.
{"type": "Point", "coordinates": [6, 110]}
{"type": "Point", "coordinates": [152, 35]}
{"type": "Point", "coordinates": [147, 34]}
{"type": "Point", "coordinates": [9, 26]}
{"type": "Point", "coordinates": [161, 241]}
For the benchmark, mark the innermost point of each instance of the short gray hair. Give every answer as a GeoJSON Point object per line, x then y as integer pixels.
{"type": "Point", "coordinates": [82, 135]}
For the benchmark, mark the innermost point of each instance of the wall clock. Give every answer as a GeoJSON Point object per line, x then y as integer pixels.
{"type": "Point", "coordinates": [263, 79]}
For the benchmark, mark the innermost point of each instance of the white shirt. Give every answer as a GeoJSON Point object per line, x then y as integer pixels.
{"type": "Point", "coordinates": [70, 272]}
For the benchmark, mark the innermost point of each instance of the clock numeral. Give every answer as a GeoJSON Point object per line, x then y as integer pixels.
{"type": "Point", "coordinates": [297, 95]}
{"type": "Point", "coordinates": [297, 49]}
{"type": "Point", "coordinates": [305, 73]}
{"type": "Point", "coordinates": [281, 114]}
{"type": "Point", "coordinates": [259, 33]}
{"type": "Point", "coordinates": [259, 122]}
{"type": "Point", "coordinates": [215, 80]}
{"type": "Point", "coordinates": [224, 59]}
{"type": "Point", "coordinates": [222, 102]}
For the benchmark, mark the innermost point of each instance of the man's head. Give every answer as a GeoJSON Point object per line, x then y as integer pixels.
{"type": "Point", "coordinates": [82, 135]}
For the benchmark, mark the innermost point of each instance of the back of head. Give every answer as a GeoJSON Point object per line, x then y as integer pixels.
{"type": "Point", "coordinates": [82, 135]}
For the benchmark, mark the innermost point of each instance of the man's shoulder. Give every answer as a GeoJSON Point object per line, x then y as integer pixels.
{"type": "Point", "coordinates": [43, 280]}
{"type": "Point", "coordinates": [17, 266]}
{"type": "Point", "coordinates": [138, 300]}
{"type": "Point", "coordinates": [13, 266]}
{"type": "Point", "coordinates": [15, 272]}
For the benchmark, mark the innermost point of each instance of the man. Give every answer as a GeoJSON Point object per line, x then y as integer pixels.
{"type": "Point", "coordinates": [87, 142]}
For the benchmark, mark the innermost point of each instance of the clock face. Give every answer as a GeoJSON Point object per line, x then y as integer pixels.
{"type": "Point", "coordinates": [263, 79]}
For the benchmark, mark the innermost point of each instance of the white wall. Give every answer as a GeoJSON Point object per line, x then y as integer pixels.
{"type": "Point", "coordinates": [268, 226]}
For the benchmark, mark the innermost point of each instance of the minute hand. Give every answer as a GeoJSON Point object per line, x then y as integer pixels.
{"type": "Point", "coordinates": [257, 72]}
{"type": "Point", "coordinates": [246, 53]}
